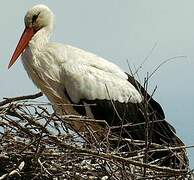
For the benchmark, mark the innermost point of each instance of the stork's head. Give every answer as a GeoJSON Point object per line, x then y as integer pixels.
{"type": "Point", "coordinates": [37, 18]}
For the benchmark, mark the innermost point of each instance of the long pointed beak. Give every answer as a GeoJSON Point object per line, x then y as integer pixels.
{"type": "Point", "coordinates": [23, 42]}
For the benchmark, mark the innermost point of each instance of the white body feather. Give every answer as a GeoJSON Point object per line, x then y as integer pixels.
{"type": "Point", "coordinates": [56, 68]}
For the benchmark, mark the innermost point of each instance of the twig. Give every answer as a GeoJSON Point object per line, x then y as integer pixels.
{"type": "Point", "coordinates": [13, 172]}
{"type": "Point", "coordinates": [9, 100]}
{"type": "Point", "coordinates": [162, 63]}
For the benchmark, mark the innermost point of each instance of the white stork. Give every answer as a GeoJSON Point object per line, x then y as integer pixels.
{"type": "Point", "coordinates": [66, 74]}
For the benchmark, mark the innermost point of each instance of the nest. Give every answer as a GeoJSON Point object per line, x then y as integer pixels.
{"type": "Point", "coordinates": [36, 143]}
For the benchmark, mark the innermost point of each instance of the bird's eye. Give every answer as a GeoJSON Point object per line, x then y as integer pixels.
{"type": "Point", "coordinates": [34, 18]}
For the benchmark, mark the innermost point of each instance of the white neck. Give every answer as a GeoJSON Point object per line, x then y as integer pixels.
{"type": "Point", "coordinates": [41, 38]}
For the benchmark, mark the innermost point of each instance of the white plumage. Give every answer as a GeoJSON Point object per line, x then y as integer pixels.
{"type": "Point", "coordinates": [55, 67]}
{"type": "Point", "coordinates": [87, 76]}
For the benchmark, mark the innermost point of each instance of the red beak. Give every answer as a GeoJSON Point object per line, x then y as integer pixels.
{"type": "Point", "coordinates": [23, 42]}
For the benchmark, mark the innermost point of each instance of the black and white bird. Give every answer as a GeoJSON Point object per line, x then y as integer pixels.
{"type": "Point", "coordinates": [67, 74]}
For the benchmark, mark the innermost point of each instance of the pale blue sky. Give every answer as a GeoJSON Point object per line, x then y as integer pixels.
{"type": "Point", "coordinates": [117, 30]}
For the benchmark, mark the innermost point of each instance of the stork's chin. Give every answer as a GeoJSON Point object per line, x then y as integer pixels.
{"type": "Point", "coordinates": [22, 44]}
